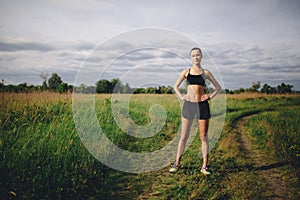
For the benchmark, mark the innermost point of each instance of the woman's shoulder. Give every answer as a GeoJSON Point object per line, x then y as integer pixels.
{"type": "Point", "coordinates": [185, 72]}
{"type": "Point", "coordinates": [206, 72]}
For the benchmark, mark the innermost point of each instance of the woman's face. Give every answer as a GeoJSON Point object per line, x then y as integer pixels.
{"type": "Point", "coordinates": [196, 57]}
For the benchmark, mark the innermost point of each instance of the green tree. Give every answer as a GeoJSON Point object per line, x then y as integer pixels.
{"type": "Point", "coordinates": [139, 91]}
{"type": "Point", "coordinates": [268, 89]}
{"type": "Point", "coordinates": [44, 86]}
{"type": "Point", "coordinates": [44, 76]}
{"type": "Point", "coordinates": [70, 88]}
{"type": "Point", "coordinates": [80, 88]}
{"type": "Point", "coordinates": [2, 85]}
{"type": "Point", "coordinates": [62, 87]}
{"type": "Point", "coordinates": [54, 82]}
{"type": "Point", "coordinates": [22, 87]}
{"type": "Point", "coordinates": [116, 85]}
{"type": "Point", "coordinates": [265, 88]}
{"type": "Point", "coordinates": [103, 86]}
{"type": "Point", "coordinates": [165, 90]}
{"type": "Point", "coordinates": [127, 89]}
{"type": "Point", "coordinates": [151, 90]}
{"type": "Point", "coordinates": [283, 88]}
{"type": "Point", "coordinates": [255, 86]}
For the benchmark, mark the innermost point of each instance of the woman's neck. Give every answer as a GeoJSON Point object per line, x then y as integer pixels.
{"type": "Point", "coordinates": [197, 66]}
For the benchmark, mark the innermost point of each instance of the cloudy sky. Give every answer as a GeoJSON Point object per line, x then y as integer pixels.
{"type": "Point", "coordinates": [147, 42]}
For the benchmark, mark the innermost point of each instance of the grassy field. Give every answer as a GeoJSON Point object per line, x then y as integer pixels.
{"type": "Point", "coordinates": [42, 156]}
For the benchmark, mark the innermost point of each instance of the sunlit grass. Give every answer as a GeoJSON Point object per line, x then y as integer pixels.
{"type": "Point", "coordinates": [42, 156]}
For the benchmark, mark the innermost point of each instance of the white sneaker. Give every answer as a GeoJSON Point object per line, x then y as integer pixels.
{"type": "Point", "coordinates": [174, 168]}
{"type": "Point", "coordinates": [205, 171]}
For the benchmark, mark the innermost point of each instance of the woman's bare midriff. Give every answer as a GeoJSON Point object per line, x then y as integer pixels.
{"type": "Point", "coordinates": [195, 92]}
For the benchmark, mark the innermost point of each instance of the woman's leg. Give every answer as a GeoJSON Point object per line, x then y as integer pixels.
{"type": "Point", "coordinates": [203, 127]}
{"type": "Point", "coordinates": [185, 131]}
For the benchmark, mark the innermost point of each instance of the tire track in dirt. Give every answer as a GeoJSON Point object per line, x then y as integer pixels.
{"type": "Point", "coordinates": [271, 172]}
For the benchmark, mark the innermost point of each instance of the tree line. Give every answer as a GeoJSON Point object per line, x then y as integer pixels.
{"type": "Point", "coordinates": [115, 85]}
{"type": "Point", "coordinates": [55, 84]}
{"type": "Point", "coordinates": [266, 88]}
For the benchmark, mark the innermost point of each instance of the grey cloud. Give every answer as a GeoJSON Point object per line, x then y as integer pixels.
{"type": "Point", "coordinates": [64, 54]}
{"type": "Point", "coordinates": [85, 46]}
{"type": "Point", "coordinates": [167, 54]}
{"type": "Point", "coordinates": [25, 46]}
{"type": "Point", "coordinates": [8, 58]}
{"type": "Point", "coordinates": [149, 54]}
{"type": "Point", "coordinates": [136, 56]}
{"type": "Point", "coordinates": [229, 62]}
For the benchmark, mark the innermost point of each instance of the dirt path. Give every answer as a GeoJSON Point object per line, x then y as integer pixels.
{"type": "Point", "coordinates": [266, 167]}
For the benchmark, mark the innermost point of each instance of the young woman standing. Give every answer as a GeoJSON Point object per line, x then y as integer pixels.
{"type": "Point", "coordinates": [195, 104]}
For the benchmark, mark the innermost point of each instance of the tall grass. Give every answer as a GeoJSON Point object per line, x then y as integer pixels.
{"type": "Point", "coordinates": [278, 133]}
{"type": "Point", "coordinates": [42, 156]}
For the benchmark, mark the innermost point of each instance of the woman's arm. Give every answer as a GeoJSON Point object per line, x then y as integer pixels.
{"type": "Point", "coordinates": [177, 84]}
{"type": "Point", "coordinates": [212, 79]}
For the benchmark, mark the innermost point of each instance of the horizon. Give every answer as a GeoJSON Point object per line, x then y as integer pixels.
{"type": "Point", "coordinates": [149, 86]}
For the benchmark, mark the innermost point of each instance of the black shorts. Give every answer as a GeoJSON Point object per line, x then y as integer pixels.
{"type": "Point", "coordinates": [200, 109]}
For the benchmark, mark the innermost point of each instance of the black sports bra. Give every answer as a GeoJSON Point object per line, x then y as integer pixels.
{"type": "Point", "coordinates": [195, 79]}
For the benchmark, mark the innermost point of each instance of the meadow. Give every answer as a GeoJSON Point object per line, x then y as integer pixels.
{"type": "Point", "coordinates": [42, 156]}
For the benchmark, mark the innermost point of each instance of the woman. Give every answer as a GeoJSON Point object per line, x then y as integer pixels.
{"type": "Point", "coordinates": [195, 103]}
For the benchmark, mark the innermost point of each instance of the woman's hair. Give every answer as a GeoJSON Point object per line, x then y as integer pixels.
{"type": "Point", "coordinates": [196, 48]}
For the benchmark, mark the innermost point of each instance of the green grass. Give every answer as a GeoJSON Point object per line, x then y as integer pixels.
{"type": "Point", "coordinates": [42, 156]}
{"type": "Point", "coordinates": [278, 133]}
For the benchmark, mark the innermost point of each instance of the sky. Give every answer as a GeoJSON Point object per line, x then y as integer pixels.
{"type": "Point", "coordinates": [147, 42]}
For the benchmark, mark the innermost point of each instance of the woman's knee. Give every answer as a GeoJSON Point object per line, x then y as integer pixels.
{"type": "Point", "coordinates": [203, 137]}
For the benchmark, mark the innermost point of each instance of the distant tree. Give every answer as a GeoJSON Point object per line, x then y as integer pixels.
{"type": "Point", "coordinates": [44, 76]}
{"type": "Point", "coordinates": [159, 90]}
{"type": "Point", "coordinates": [103, 86]}
{"type": "Point", "coordinates": [208, 90]}
{"type": "Point", "coordinates": [70, 88]}
{"type": "Point", "coordinates": [44, 86]}
{"type": "Point", "coordinates": [255, 86]}
{"type": "Point", "coordinates": [91, 89]}
{"type": "Point", "coordinates": [151, 90]}
{"type": "Point", "coordinates": [22, 87]}
{"type": "Point", "coordinates": [268, 89]}
{"type": "Point", "coordinates": [80, 88]}
{"type": "Point", "coordinates": [182, 90]}
{"type": "Point", "coordinates": [227, 91]}
{"type": "Point", "coordinates": [116, 86]}
{"type": "Point", "coordinates": [139, 91]}
{"type": "Point", "coordinates": [241, 90]}
{"type": "Point", "coordinates": [165, 90]}
{"type": "Point", "coordinates": [2, 85]}
{"type": "Point", "coordinates": [127, 89]}
{"type": "Point", "coordinates": [236, 92]}
{"type": "Point", "coordinates": [265, 88]}
{"type": "Point", "coordinates": [54, 81]}
{"type": "Point", "coordinates": [11, 88]}
{"type": "Point", "coordinates": [62, 87]}
{"type": "Point", "coordinates": [30, 88]}
{"type": "Point", "coordinates": [273, 90]}
{"type": "Point", "coordinates": [283, 88]}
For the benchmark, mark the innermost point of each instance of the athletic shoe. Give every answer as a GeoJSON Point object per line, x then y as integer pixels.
{"type": "Point", "coordinates": [174, 168]}
{"type": "Point", "coordinates": [205, 171]}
